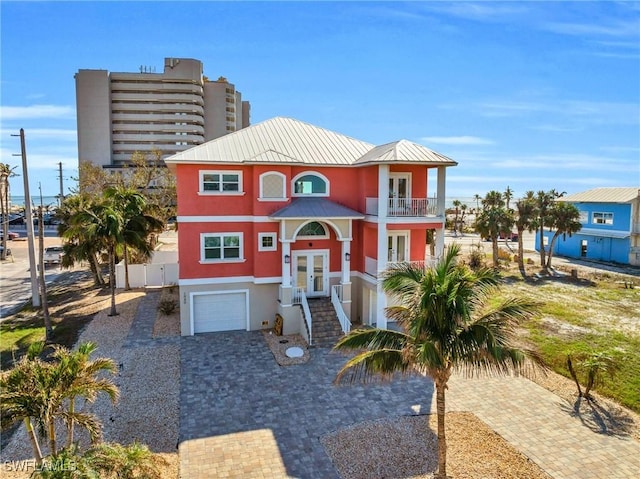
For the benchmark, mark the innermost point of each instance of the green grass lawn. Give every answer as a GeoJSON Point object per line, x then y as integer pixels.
{"type": "Point", "coordinates": [586, 316]}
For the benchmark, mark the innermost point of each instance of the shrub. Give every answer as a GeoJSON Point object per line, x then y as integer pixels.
{"type": "Point", "coordinates": [167, 306]}
{"type": "Point", "coordinates": [504, 255]}
{"type": "Point", "coordinates": [476, 257]}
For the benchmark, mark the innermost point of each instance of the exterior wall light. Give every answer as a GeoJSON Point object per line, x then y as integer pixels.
{"type": "Point", "coordinates": [287, 259]}
{"type": "Point", "coordinates": [347, 257]}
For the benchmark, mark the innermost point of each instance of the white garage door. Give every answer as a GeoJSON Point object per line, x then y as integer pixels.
{"type": "Point", "coordinates": [219, 312]}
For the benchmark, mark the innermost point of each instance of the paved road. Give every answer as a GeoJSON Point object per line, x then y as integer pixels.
{"type": "Point", "coordinates": [15, 278]}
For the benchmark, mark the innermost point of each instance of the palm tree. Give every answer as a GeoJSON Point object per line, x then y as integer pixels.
{"type": "Point", "coordinates": [78, 246]}
{"type": "Point", "coordinates": [544, 203]}
{"type": "Point", "coordinates": [456, 205]}
{"type": "Point", "coordinates": [493, 198]}
{"type": "Point", "coordinates": [80, 376]}
{"type": "Point", "coordinates": [491, 223]}
{"type": "Point", "coordinates": [566, 221]}
{"type": "Point", "coordinates": [104, 221]}
{"type": "Point", "coordinates": [139, 224]}
{"type": "Point", "coordinates": [20, 398]}
{"type": "Point", "coordinates": [507, 195]}
{"type": "Point", "coordinates": [526, 213]}
{"type": "Point", "coordinates": [6, 172]}
{"type": "Point", "coordinates": [477, 198]}
{"type": "Point", "coordinates": [447, 325]}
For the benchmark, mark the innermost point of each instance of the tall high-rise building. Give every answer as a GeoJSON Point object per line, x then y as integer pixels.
{"type": "Point", "coordinates": [121, 113]}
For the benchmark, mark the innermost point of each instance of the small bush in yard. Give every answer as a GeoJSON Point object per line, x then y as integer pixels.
{"type": "Point", "coordinates": [167, 306]}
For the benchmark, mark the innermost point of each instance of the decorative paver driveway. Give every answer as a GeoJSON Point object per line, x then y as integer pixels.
{"type": "Point", "coordinates": [242, 415]}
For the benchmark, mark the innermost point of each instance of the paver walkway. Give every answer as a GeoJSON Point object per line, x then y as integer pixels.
{"type": "Point", "coordinates": [242, 415]}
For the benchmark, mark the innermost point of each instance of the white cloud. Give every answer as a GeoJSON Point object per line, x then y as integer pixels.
{"type": "Point", "coordinates": [612, 29]}
{"type": "Point", "coordinates": [37, 111]}
{"type": "Point", "coordinates": [457, 140]}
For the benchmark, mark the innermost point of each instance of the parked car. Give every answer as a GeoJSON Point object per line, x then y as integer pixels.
{"type": "Point", "coordinates": [11, 235]}
{"type": "Point", "coordinates": [53, 254]}
{"type": "Point", "coordinates": [510, 237]}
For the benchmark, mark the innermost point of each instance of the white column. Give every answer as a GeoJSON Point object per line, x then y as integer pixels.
{"type": "Point", "coordinates": [286, 267]}
{"type": "Point", "coordinates": [346, 265]}
{"type": "Point", "coordinates": [441, 207]}
{"type": "Point", "coordinates": [383, 248]}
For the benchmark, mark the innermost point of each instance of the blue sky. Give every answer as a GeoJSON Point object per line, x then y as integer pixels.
{"type": "Point", "coordinates": [531, 95]}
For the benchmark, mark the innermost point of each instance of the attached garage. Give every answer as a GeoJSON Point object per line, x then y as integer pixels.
{"type": "Point", "coordinates": [220, 311]}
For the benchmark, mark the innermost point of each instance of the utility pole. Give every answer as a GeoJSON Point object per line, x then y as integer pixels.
{"type": "Point", "coordinates": [61, 197]}
{"type": "Point", "coordinates": [35, 293]}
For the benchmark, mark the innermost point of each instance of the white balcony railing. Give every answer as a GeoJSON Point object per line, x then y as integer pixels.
{"type": "Point", "coordinates": [404, 207]}
{"type": "Point", "coordinates": [371, 264]}
{"type": "Point", "coordinates": [336, 297]}
{"type": "Point", "coordinates": [299, 297]}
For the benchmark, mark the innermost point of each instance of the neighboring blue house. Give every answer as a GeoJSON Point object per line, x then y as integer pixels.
{"type": "Point", "coordinates": [610, 231]}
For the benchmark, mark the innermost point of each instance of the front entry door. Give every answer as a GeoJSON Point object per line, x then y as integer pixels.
{"type": "Point", "coordinates": [311, 272]}
{"type": "Point", "coordinates": [398, 193]}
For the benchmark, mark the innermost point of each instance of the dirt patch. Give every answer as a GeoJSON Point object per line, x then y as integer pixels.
{"type": "Point", "coordinates": [168, 325]}
{"type": "Point", "coordinates": [279, 345]}
{"type": "Point", "coordinates": [407, 447]}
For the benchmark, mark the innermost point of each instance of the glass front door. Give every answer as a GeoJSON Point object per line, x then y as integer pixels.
{"type": "Point", "coordinates": [311, 272]}
{"type": "Point", "coordinates": [398, 192]}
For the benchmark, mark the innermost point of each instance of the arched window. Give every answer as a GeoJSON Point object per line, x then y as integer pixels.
{"type": "Point", "coordinates": [272, 186]}
{"type": "Point", "coordinates": [314, 229]}
{"type": "Point", "coordinates": [310, 184]}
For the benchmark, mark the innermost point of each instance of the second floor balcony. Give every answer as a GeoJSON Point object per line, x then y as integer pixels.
{"type": "Point", "coordinates": [404, 207]}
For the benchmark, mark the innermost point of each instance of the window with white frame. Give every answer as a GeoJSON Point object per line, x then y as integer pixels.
{"type": "Point", "coordinates": [267, 242]}
{"type": "Point", "coordinates": [273, 186]}
{"type": "Point", "coordinates": [602, 218]}
{"type": "Point", "coordinates": [310, 184]}
{"type": "Point", "coordinates": [313, 230]}
{"type": "Point", "coordinates": [221, 182]}
{"type": "Point", "coordinates": [221, 246]}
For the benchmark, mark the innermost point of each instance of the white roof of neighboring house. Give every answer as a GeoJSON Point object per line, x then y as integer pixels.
{"type": "Point", "coordinates": [605, 195]}
{"type": "Point", "coordinates": [286, 141]}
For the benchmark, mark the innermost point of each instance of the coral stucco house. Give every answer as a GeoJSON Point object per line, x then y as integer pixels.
{"type": "Point", "coordinates": [283, 211]}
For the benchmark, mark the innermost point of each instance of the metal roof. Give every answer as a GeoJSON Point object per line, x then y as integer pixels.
{"type": "Point", "coordinates": [604, 233]}
{"type": "Point", "coordinates": [605, 195]}
{"type": "Point", "coordinates": [404, 151]}
{"type": "Point", "coordinates": [315, 208]}
{"type": "Point", "coordinates": [286, 141]}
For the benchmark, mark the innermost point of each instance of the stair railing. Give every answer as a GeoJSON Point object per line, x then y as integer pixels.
{"type": "Point", "coordinates": [336, 294]}
{"type": "Point", "coordinates": [299, 297]}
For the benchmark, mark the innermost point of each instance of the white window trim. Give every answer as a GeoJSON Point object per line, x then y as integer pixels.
{"type": "Point", "coordinates": [202, 192]}
{"type": "Point", "coordinates": [274, 237]}
{"type": "Point", "coordinates": [284, 187]}
{"type": "Point", "coordinates": [204, 260]}
{"type": "Point", "coordinates": [314, 173]}
{"type": "Point", "coordinates": [324, 227]}
{"type": "Point", "coordinates": [593, 219]}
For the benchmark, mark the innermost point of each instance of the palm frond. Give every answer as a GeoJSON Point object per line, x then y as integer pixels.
{"type": "Point", "coordinates": [368, 366]}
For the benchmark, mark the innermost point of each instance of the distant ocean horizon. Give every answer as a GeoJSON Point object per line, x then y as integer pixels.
{"type": "Point", "coordinates": [18, 201]}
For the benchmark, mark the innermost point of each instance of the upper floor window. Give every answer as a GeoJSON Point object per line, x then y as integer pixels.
{"type": "Point", "coordinates": [310, 184]}
{"type": "Point", "coordinates": [221, 246]}
{"type": "Point", "coordinates": [273, 186]}
{"type": "Point", "coordinates": [602, 218]}
{"type": "Point", "coordinates": [221, 182]}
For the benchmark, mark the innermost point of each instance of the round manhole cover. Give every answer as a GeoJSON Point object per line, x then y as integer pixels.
{"type": "Point", "coordinates": [294, 352]}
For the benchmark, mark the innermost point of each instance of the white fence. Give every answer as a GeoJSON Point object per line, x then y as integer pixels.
{"type": "Point", "coordinates": [161, 271]}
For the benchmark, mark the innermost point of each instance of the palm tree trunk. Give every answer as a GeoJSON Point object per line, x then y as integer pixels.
{"type": "Point", "coordinates": [550, 252]}
{"type": "Point", "coordinates": [53, 450]}
{"type": "Point", "coordinates": [34, 441]}
{"type": "Point", "coordinates": [521, 253]}
{"type": "Point", "coordinates": [112, 280]}
{"type": "Point", "coordinates": [542, 252]}
{"type": "Point", "coordinates": [442, 439]}
{"type": "Point", "coordinates": [573, 374]}
{"type": "Point", "coordinates": [127, 286]}
{"type": "Point", "coordinates": [72, 405]}
{"type": "Point", "coordinates": [494, 244]}
{"type": "Point", "coordinates": [95, 267]}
